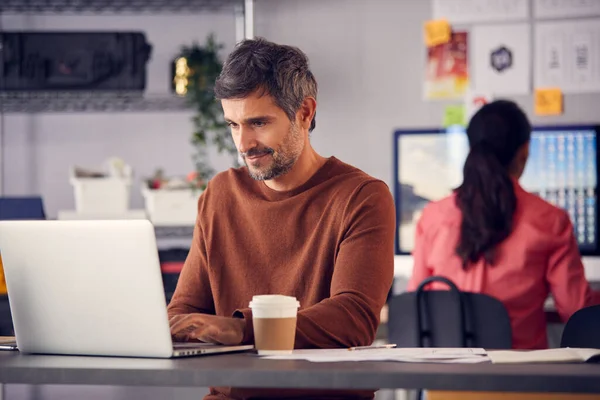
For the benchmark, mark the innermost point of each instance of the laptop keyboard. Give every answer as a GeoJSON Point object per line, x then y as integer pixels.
{"type": "Point", "coordinates": [192, 345]}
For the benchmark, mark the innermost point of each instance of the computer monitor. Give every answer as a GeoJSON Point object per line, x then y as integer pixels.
{"type": "Point", "coordinates": [562, 168]}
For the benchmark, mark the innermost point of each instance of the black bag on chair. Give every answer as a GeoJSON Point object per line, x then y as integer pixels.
{"type": "Point", "coordinates": [448, 318]}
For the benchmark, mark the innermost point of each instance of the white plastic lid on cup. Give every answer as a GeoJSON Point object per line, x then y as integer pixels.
{"type": "Point", "coordinates": [274, 306]}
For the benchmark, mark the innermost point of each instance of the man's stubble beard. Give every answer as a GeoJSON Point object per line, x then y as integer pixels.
{"type": "Point", "coordinates": [283, 158]}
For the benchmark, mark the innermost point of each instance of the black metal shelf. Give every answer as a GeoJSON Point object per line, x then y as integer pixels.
{"type": "Point", "coordinates": [40, 102]}
{"type": "Point", "coordinates": [163, 232]}
{"type": "Point", "coordinates": [115, 6]}
{"type": "Point", "coordinates": [81, 101]}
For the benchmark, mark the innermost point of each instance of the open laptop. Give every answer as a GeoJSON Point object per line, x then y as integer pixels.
{"type": "Point", "coordinates": [90, 288]}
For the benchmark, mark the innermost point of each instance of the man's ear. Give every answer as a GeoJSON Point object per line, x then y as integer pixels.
{"type": "Point", "coordinates": [306, 113]}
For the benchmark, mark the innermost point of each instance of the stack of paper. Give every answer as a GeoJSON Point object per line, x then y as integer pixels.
{"type": "Point", "coordinates": [543, 356]}
{"type": "Point", "coordinates": [432, 355]}
{"type": "Point", "coordinates": [444, 355]}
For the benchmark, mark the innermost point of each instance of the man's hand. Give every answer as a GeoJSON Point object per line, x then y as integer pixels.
{"type": "Point", "coordinates": [207, 328]}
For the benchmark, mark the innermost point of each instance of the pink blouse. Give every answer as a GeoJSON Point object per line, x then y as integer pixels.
{"type": "Point", "coordinates": [539, 257]}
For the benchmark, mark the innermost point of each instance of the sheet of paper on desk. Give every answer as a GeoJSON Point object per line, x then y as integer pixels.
{"type": "Point", "coordinates": [430, 355]}
{"type": "Point", "coordinates": [543, 356]}
{"type": "Point", "coordinates": [8, 343]}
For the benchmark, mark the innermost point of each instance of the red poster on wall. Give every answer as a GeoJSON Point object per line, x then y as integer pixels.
{"type": "Point", "coordinates": [447, 69]}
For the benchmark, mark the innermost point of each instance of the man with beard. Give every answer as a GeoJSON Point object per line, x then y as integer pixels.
{"type": "Point", "coordinates": [290, 222]}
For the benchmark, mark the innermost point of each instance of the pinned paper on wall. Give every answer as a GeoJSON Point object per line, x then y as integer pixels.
{"type": "Point", "coordinates": [454, 115]}
{"type": "Point", "coordinates": [437, 32]}
{"type": "Point", "coordinates": [567, 55]}
{"type": "Point", "coordinates": [447, 69]}
{"type": "Point", "coordinates": [565, 8]}
{"type": "Point", "coordinates": [478, 11]}
{"type": "Point", "coordinates": [548, 101]}
{"type": "Point", "coordinates": [502, 62]}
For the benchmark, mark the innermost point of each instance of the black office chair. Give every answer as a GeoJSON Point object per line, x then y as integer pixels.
{"type": "Point", "coordinates": [583, 329]}
{"type": "Point", "coordinates": [448, 318]}
{"type": "Point", "coordinates": [16, 208]}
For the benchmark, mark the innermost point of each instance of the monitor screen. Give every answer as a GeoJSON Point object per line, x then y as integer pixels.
{"type": "Point", "coordinates": [562, 168]}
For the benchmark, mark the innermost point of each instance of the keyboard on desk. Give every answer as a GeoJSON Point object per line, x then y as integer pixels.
{"type": "Point", "coordinates": [193, 345]}
{"type": "Point", "coordinates": [195, 348]}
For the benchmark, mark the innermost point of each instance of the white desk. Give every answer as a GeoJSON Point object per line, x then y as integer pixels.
{"type": "Point", "coordinates": [403, 266]}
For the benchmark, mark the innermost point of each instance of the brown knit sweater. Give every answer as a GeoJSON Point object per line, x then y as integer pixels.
{"type": "Point", "coordinates": [329, 243]}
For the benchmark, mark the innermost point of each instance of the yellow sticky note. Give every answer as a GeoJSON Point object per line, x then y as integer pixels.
{"type": "Point", "coordinates": [548, 101]}
{"type": "Point", "coordinates": [437, 32]}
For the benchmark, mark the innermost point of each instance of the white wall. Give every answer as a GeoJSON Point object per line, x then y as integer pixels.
{"type": "Point", "coordinates": [368, 57]}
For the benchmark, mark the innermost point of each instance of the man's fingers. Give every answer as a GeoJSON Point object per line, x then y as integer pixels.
{"type": "Point", "coordinates": [176, 318]}
{"type": "Point", "coordinates": [184, 334]}
{"type": "Point", "coordinates": [175, 322]}
{"type": "Point", "coordinates": [206, 328]}
{"type": "Point", "coordinates": [229, 337]}
{"type": "Point", "coordinates": [179, 338]}
{"type": "Point", "coordinates": [206, 333]}
{"type": "Point", "coordinates": [185, 325]}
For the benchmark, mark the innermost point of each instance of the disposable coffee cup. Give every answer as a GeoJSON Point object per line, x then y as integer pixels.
{"type": "Point", "coordinates": [274, 320]}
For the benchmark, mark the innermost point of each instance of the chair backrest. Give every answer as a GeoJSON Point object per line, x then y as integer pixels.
{"type": "Point", "coordinates": [448, 318]}
{"type": "Point", "coordinates": [21, 208]}
{"type": "Point", "coordinates": [583, 329]}
{"type": "Point", "coordinates": [15, 208]}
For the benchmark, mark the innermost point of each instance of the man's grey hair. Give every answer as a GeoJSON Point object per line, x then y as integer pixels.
{"type": "Point", "coordinates": [277, 70]}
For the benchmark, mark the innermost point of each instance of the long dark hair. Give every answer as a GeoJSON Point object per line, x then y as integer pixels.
{"type": "Point", "coordinates": [486, 197]}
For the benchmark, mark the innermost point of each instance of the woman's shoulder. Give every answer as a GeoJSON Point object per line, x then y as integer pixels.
{"type": "Point", "coordinates": [535, 210]}
{"type": "Point", "coordinates": [443, 210]}
{"type": "Point", "coordinates": [536, 204]}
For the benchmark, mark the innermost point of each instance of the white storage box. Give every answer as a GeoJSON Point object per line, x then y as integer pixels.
{"type": "Point", "coordinates": [177, 207]}
{"type": "Point", "coordinates": [101, 195]}
{"type": "Point", "coordinates": [97, 192]}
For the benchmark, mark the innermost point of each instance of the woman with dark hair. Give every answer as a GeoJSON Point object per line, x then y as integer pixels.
{"type": "Point", "coordinates": [491, 236]}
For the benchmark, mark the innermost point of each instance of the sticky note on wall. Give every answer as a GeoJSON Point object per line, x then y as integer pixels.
{"type": "Point", "coordinates": [548, 101]}
{"type": "Point", "coordinates": [454, 115]}
{"type": "Point", "coordinates": [437, 32]}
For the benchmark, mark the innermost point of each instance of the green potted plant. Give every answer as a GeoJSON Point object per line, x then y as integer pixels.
{"type": "Point", "coordinates": [202, 66]}
{"type": "Point", "coordinates": [195, 70]}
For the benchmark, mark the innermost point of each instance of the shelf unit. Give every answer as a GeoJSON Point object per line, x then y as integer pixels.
{"type": "Point", "coordinates": [112, 6]}
{"type": "Point", "coordinates": [177, 232]}
{"type": "Point", "coordinates": [85, 101]}
{"type": "Point", "coordinates": [123, 101]}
